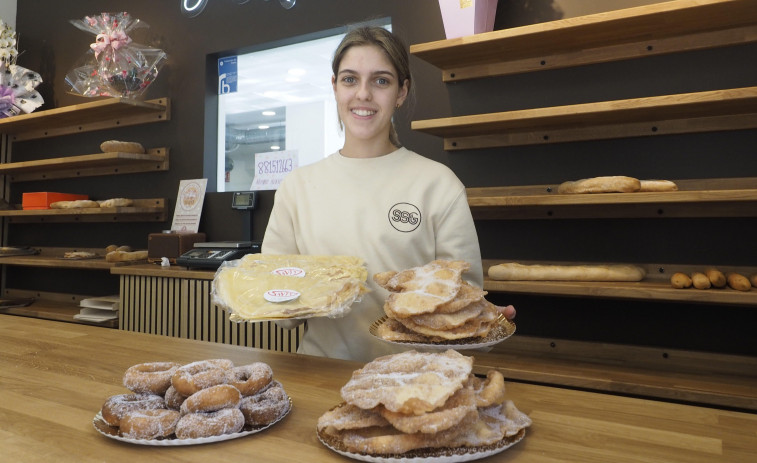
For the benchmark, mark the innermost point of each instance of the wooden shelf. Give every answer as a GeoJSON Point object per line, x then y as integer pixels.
{"type": "Point", "coordinates": [719, 380]}
{"type": "Point", "coordinates": [143, 210]}
{"type": "Point", "coordinates": [87, 165]}
{"type": "Point", "coordinates": [648, 30]}
{"type": "Point", "coordinates": [85, 117]}
{"type": "Point", "coordinates": [655, 286]}
{"type": "Point", "coordinates": [51, 306]}
{"type": "Point", "coordinates": [729, 109]}
{"type": "Point", "coordinates": [734, 197]}
{"type": "Point", "coordinates": [52, 257]}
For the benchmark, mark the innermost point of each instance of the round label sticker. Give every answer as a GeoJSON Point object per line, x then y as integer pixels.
{"type": "Point", "coordinates": [289, 272]}
{"type": "Point", "coordinates": [280, 295]}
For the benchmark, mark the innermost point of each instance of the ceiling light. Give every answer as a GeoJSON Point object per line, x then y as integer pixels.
{"type": "Point", "coordinates": [269, 113]}
{"type": "Point", "coordinates": [275, 147]}
{"type": "Point", "coordinates": [263, 127]}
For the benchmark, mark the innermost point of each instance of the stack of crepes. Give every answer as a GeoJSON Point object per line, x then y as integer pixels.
{"type": "Point", "coordinates": [433, 303]}
{"type": "Point", "coordinates": [422, 404]}
{"type": "Point", "coordinates": [269, 287]}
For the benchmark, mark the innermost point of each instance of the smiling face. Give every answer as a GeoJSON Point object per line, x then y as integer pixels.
{"type": "Point", "coordinates": [367, 91]}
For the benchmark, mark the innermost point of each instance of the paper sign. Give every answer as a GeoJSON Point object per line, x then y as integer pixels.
{"type": "Point", "coordinates": [186, 215]}
{"type": "Point", "coordinates": [272, 167]}
{"type": "Point", "coordinates": [227, 75]}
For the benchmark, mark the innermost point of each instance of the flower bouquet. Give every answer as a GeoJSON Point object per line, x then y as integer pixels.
{"type": "Point", "coordinates": [17, 84]}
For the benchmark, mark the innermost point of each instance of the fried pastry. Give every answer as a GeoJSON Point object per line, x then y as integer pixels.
{"type": "Point", "coordinates": [409, 382]}
{"type": "Point", "coordinates": [476, 415]}
{"type": "Point", "coordinates": [433, 304]}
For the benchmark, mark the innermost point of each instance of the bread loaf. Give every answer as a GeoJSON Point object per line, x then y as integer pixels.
{"type": "Point", "coordinates": [610, 184]}
{"type": "Point", "coordinates": [753, 280]}
{"type": "Point", "coordinates": [79, 203]}
{"type": "Point", "coordinates": [116, 202]}
{"type": "Point", "coordinates": [738, 282]}
{"type": "Point", "coordinates": [680, 281]}
{"type": "Point", "coordinates": [515, 271]}
{"type": "Point", "coordinates": [124, 256]}
{"type": "Point", "coordinates": [657, 185]}
{"type": "Point", "coordinates": [116, 146]}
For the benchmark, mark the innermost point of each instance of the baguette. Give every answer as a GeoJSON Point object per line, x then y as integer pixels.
{"type": "Point", "coordinates": [515, 271]}
{"type": "Point", "coordinates": [610, 184]}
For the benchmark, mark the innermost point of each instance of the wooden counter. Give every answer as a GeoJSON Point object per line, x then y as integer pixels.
{"type": "Point", "coordinates": [55, 377]}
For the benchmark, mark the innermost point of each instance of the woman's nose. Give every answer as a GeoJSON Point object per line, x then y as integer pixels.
{"type": "Point", "coordinates": [364, 92]}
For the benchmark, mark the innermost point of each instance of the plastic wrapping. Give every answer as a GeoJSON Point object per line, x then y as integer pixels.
{"type": "Point", "coordinates": [269, 287]}
{"type": "Point", "coordinates": [115, 65]}
{"type": "Point", "coordinates": [17, 84]}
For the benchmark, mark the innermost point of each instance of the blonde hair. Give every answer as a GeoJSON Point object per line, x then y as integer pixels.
{"type": "Point", "coordinates": [394, 49]}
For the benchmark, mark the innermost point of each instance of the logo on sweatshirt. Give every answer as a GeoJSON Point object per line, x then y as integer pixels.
{"type": "Point", "coordinates": [404, 217]}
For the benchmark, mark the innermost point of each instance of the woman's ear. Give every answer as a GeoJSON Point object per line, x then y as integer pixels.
{"type": "Point", "coordinates": [333, 83]}
{"type": "Point", "coordinates": [403, 91]}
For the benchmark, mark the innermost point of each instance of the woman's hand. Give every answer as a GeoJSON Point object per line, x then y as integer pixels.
{"type": "Point", "coordinates": [507, 311]}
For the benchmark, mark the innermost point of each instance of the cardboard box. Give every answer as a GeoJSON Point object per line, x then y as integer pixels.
{"type": "Point", "coordinates": [43, 199]}
{"type": "Point", "coordinates": [171, 245]}
{"type": "Point", "coordinates": [467, 17]}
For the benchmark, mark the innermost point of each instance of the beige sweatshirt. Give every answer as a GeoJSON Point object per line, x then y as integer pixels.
{"type": "Point", "coordinates": [395, 212]}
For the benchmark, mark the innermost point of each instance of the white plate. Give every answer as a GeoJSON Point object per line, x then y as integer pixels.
{"type": "Point", "coordinates": [112, 432]}
{"type": "Point", "coordinates": [442, 455]}
{"type": "Point", "coordinates": [504, 329]}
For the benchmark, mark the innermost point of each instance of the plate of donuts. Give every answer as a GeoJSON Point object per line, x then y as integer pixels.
{"type": "Point", "coordinates": [391, 331]}
{"type": "Point", "coordinates": [113, 432]}
{"type": "Point", "coordinates": [432, 455]}
{"type": "Point", "coordinates": [170, 404]}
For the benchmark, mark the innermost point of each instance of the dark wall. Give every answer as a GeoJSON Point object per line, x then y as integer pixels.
{"type": "Point", "coordinates": [52, 45]}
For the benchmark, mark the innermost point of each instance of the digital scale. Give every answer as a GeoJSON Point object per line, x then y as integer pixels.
{"type": "Point", "coordinates": [213, 254]}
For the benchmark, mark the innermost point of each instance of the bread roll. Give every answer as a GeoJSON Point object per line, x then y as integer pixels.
{"type": "Point", "coordinates": [753, 280]}
{"type": "Point", "coordinates": [611, 184]}
{"type": "Point", "coordinates": [680, 281]}
{"type": "Point", "coordinates": [738, 282]}
{"type": "Point", "coordinates": [716, 277]}
{"type": "Point", "coordinates": [515, 271]}
{"type": "Point", "coordinates": [658, 185]}
{"type": "Point", "coordinates": [700, 280]}
{"type": "Point", "coordinates": [111, 248]}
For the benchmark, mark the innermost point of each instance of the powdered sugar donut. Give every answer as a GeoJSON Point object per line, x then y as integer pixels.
{"type": "Point", "coordinates": [202, 374]}
{"type": "Point", "coordinates": [149, 424]}
{"type": "Point", "coordinates": [212, 399]}
{"type": "Point", "coordinates": [196, 425]}
{"type": "Point", "coordinates": [152, 378]}
{"type": "Point", "coordinates": [173, 398]}
{"type": "Point", "coordinates": [265, 407]}
{"type": "Point", "coordinates": [250, 379]}
{"type": "Point", "coordinates": [118, 405]}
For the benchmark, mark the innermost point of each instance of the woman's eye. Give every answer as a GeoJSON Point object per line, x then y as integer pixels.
{"type": "Point", "coordinates": [348, 80]}
{"type": "Point", "coordinates": [382, 81]}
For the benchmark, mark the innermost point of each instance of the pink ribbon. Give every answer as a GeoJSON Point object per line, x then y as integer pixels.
{"type": "Point", "coordinates": [115, 40]}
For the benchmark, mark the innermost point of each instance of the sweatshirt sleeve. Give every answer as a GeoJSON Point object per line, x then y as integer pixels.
{"type": "Point", "coordinates": [457, 239]}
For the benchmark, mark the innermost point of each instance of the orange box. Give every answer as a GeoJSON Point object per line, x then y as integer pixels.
{"type": "Point", "coordinates": [43, 199]}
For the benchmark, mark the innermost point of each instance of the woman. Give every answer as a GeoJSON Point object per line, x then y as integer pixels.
{"type": "Point", "coordinates": [373, 199]}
